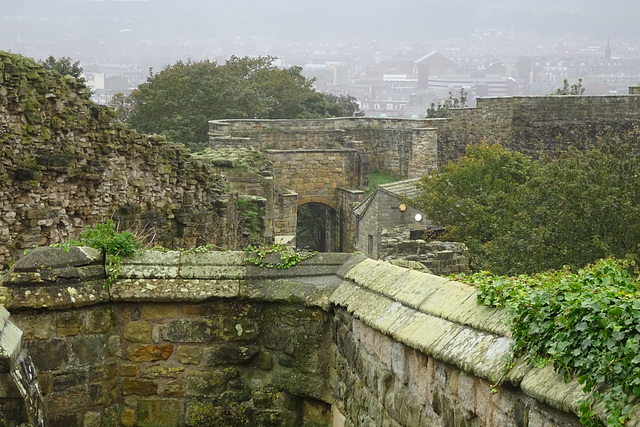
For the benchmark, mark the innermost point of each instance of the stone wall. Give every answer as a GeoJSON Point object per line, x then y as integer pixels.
{"type": "Point", "coordinates": [536, 125]}
{"type": "Point", "coordinates": [315, 174]}
{"type": "Point", "coordinates": [181, 339]}
{"type": "Point", "coordinates": [408, 148]}
{"type": "Point", "coordinates": [67, 164]}
{"type": "Point", "coordinates": [441, 258]}
{"type": "Point", "coordinates": [207, 338]}
{"type": "Point", "coordinates": [401, 147]}
{"type": "Point", "coordinates": [414, 349]}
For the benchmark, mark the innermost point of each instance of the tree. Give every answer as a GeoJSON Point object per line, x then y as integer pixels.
{"type": "Point", "coordinates": [442, 109]}
{"type": "Point", "coordinates": [522, 216]}
{"type": "Point", "coordinates": [181, 99]}
{"type": "Point", "coordinates": [575, 89]}
{"type": "Point", "coordinates": [64, 66]}
{"type": "Point", "coordinates": [476, 197]}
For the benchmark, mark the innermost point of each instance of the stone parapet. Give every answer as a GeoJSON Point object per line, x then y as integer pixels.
{"type": "Point", "coordinates": [441, 320]}
{"type": "Point", "coordinates": [208, 338]}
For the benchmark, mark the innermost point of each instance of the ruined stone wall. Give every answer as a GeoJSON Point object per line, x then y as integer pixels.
{"type": "Point", "coordinates": [401, 147]}
{"type": "Point", "coordinates": [441, 258]}
{"type": "Point", "coordinates": [181, 339]}
{"type": "Point", "coordinates": [67, 164]}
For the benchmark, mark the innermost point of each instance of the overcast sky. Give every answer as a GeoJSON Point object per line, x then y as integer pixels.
{"type": "Point", "coordinates": [45, 22]}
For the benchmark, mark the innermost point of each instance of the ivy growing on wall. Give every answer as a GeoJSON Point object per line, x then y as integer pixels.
{"type": "Point", "coordinates": [587, 324]}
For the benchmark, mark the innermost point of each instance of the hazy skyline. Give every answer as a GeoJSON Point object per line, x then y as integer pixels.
{"type": "Point", "coordinates": [84, 27]}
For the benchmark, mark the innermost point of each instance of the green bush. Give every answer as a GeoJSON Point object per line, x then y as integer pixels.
{"type": "Point", "coordinates": [105, 236]}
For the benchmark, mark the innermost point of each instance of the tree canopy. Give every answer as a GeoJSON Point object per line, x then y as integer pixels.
{"type": "Point", "coordinates": [64, 66]}
{"type": "Point", "coordinates": [519, 216]}
{"type": "Point", "coordinates": [179, 100]}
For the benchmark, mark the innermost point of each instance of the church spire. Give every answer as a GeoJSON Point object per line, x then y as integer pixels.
{"type": "Point", "coordinates": [607, 51]}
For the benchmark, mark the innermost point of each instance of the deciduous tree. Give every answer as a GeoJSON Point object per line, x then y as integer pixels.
{"type": "Point", "coordinates": [181, 99]}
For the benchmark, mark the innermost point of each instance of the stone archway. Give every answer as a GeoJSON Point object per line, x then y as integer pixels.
{"type": "Point", "coordinates": [316, 228]}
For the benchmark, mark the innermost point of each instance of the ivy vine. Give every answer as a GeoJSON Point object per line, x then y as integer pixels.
{"type": "Point", "coordinates": [586, 324]}
{"type": "Point", "coordinates": [288, 256]}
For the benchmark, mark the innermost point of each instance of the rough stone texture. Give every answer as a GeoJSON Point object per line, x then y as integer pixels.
{"type": "Point", "coordinates": [441, 258]}
{"type": "Point", "coordinates": [21, 401]}
{"type": "Point", "coordinates": [383, 344]}
{"type": "Point", "coordinates": [536, 125]}
{"type": "Point", "coordinates": [67, 164]}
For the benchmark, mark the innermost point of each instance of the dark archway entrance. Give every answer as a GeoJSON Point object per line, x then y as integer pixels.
{"type": "Point", "coordinates": [316, 228]}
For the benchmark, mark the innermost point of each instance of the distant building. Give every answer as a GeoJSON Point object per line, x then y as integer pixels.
{"type": "Point", "coordinates": [432, 64]}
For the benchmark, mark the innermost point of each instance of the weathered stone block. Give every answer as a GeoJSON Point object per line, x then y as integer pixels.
{"type": "Point", "coordinates": [138, 387]}
{"type": "Point", "coordinates": [174, 389]}
{"type": "Point", "coordinates": [161, 412]}
{"type": "Point", "coordinates": [162, 372]}
{"type": "Point", "coordinates": [98, 320]}
{"type": "Point", "coordinates": [129, 370]}
{"type": "Point", "coordinates": [53, 258]}
{"type": "Point", "coordinates": [173, 290]}
{"type": "Point", "coordinates": [128, 418]}
{"type": "Point", "coordinates": [151, 265]}
{"type": "Point", "coordinates": [89, 350]}
{"type": "Point", "coordinates": [159, 311]}
{"type": "Point", "coordinates": [149, 353]}
{"type": "Point", "coordinates": [48, 355]}
{"type": "Point", "coordinates": [192, 331]}
{"type": "Point", "coordinates": [211, 383]}
{"type": "Point", "coordinates": [229, 354]}
{"type": "Point", "coordinates": [70, 323]}
{"type": "Point", "coordinates": [189, 354]}
{"type": "Point", "coordinates": [37, 325]}
{"type": "Point", "coordinates": [114, 345]}
{"type": "Point", "coordinates": [138, 332]}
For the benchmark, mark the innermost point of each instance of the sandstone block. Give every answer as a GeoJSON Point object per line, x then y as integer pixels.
{"type": "Point", "coordinates": [159, 311]}
{"type": "Point", "coordinates": [138, 332]}
{"type": "Point", "coordinates": [89, 350]}
{"type": "Point", "coordinates": [188, 354]}
{"type": "Point", "coordinates": [138, 387]}
{"type": "Point", "coordinates": [194, 331]}
{"type": "Point", "coordinates": [149, 353]}
{"type": "Point", "coordinates": [164, 412]}
{"type": "Point", "coordinates": [128, 418]}
{"type": "Point", "coordinates": [229, 353]}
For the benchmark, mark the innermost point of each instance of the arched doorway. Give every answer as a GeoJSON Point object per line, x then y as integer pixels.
{"type": "Point", "coordinates": [316, 228]}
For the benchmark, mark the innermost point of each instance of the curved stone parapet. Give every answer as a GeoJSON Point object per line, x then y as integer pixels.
{"type": "Point", "coordinates": [441, 319]}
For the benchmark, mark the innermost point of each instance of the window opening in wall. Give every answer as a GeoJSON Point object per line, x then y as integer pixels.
{"type": "Point", "coordinates": [370, 245]}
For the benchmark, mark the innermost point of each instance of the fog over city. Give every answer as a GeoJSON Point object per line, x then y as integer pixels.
{"type": "Point", "coordinates": [82, 27]}
{"type": "Point", "coordinates": [355, 40]}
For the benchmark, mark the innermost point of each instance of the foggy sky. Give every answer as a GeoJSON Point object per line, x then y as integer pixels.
{"type": "Point", "coordinates": [43, 23]}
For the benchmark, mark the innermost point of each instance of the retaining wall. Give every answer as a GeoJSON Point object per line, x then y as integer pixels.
{"type": "Point", "coordinates": [209, 338]}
